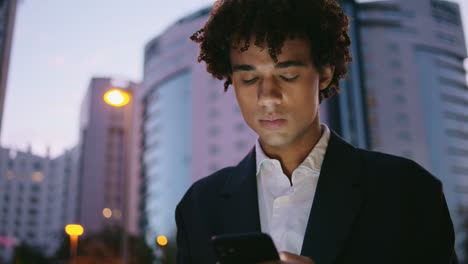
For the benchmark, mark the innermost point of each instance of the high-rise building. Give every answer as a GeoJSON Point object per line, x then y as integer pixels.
{"type": "Point", "coordinates": [7, 21]}
{"type": "Point", "coordinates": [346, 113]}
{"type": "Point", "coordinates": [34, 199]}
{"type": "Point", "coordinates": [103, 156]}
{"type": "Point", "coordinates": [65, 172]}
{"type": "Point", "coordinates": [417, 96]}
{"type": "Point", "coordinates": [187, 127]}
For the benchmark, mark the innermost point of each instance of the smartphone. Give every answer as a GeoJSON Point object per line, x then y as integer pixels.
{"type": "Point", "coordinates": [248, 248]}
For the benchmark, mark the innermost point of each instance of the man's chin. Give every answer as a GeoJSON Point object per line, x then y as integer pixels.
{"type": "Point", "coordinates": [275, 141]}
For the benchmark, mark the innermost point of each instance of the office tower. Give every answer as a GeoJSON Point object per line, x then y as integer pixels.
{"type": "Point", "coordinates": [417, 97]}
{"type": "Point", "coordinates": [35, 199]}
{"type": "Point", "coordinates": [103, 154]}
{"type": "Point", "coordinates": [7, 21]}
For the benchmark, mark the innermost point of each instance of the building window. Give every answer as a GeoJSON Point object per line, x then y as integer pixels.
{"type": "Point", "coordinates": [37, 166]}
{"type": "Point", "coordinates": [407, 154]}
{"type": "Point", "coordinates": [33, 200]}
{"type": "Point", "coordinates": [457, 133]}
{"type": "Point", "coordinates": [393, 47]}
{"type": "Point", "coordinates": [30, 235]}
{"type": "Point", "coordinates": [240, 126]}
{"type": "Point", "coordinates": [214, 149]}
{"type": "Point", "coordinates": [37, 176]}
{"type": "Point", "coordinates": [399, 99]}
{"type": "Point", "coordinates": [402, 118]}
{"type": "Point", "coordinates": [393, 29]}
{"type": "Point", "coordinates": [404, 135]}
{"type": "Point", "coordinates": [397, 81]}
{"type": "Point", "coordinates": [32, 212]}
{"type": "Point", "coordinates": [241, 145]}
{"type": "Point", "coordinates": [214, 167]}
{"type": "Point", "coordinates": [446, 38]}
{"type": "Point", "coordinates": [460, 170]}
{"type": "Point", "coordinates": [458, 151]}
{"type": "Point", "coordinates": [213, 131]}
{"type": "Point", "coordinates": [35, 188]}
{"type": "Point", "coordinates": [395, 64]}
{"type": "Point", "coordinates": [214, 95]}
{"type": "Point", "coordinates": [213, 113]}
{"type": "Point", "coordinates": [9, 175]}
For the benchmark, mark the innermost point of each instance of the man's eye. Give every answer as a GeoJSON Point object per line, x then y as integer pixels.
{"type": "Point", "coordinates": [250, 81]}
{"type": "Point", "coordinates": [289, 79]}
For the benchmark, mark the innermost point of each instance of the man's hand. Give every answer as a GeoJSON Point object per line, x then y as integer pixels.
{"type": "Point", "coordinates": [289, 258]}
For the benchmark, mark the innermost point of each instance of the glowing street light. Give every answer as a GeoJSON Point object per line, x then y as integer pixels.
{"type": "Point", "coordinates": [74, 231]}
{"type": "Point", "coordinates": [117, 97]}
{"type": "Point", "coordinates": [161, 240]}
{"type": "Point", "coordinates": [107, 212]}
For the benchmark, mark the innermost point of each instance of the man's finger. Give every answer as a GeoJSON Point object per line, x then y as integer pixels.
{"type": "Point", "coordinates": [289, 257]}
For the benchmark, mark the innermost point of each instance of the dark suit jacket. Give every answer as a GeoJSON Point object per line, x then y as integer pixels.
{"type": "Point", "coordinates": [369, 207]}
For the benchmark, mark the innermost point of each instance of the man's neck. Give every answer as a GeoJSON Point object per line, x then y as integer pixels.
{"type": "Point", "coordinates": [292, 155]}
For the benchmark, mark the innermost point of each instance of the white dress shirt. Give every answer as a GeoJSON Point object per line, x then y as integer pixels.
{"type": "Point", "coordinates": [284, 208]}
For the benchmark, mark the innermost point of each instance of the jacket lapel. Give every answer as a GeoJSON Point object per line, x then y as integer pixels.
{"type": "Point", "coordinates": [239, 200]}
{"type": "Point", "coordinates": [337, 201]}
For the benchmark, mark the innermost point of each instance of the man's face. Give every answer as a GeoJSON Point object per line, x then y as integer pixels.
{"type": "Point", "coordinates": [279, 101]}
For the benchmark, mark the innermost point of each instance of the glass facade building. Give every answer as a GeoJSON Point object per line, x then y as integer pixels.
{"type": "Point", "coordinates": [416, 91]}
{"type": "Point", "coordinates": [167, 150]}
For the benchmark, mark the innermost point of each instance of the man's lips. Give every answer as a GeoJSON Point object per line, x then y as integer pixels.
{"type": "Point", "coordinates": [272, 122]}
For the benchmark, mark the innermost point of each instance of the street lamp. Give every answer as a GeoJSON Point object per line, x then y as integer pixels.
{"type": "Point", "coordinates": [74, 231]}
{"type": "Point", "coordinates": [162, 242]}
{"type": "Point", "coordinates": [117, 97]}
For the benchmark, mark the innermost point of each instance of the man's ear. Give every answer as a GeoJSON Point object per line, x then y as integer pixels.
{"type": "Point", "coordinates": [326, 76]}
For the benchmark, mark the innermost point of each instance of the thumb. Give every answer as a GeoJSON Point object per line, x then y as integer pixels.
{"type": "Point", "coordinates": [293, 258]}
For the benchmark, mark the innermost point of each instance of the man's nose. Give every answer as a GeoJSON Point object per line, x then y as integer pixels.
{"type": "Point", "coordinates": [269, 92]}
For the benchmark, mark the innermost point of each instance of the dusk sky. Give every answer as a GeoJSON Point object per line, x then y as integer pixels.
{"type": "Point", "coordinates": [59, 46]}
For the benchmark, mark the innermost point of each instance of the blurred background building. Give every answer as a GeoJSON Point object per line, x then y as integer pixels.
{"type": "Point", "coordinates": [346, 113]}
{"type": "Point", "coordinates": [189, 126]}
{"type": "Point", "coordinates": [417, 95]}
{"type": "Point", "coordinates": [7, 21]}
{"type": "Point", "coordinates": [36, 199]}
{"type": "Point", "coordinates": [103, 160]}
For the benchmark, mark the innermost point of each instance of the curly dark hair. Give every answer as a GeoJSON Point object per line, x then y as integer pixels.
{"type": "Point", "coordinates": [271, 22]}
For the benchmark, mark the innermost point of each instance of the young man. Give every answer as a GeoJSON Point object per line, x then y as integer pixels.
{"type": "Point", "coordinates": [322, 200]}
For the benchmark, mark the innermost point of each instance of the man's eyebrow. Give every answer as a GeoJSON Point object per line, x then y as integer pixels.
{"type": "Point", "coordinates": [242, 67]}
{"type": "Point", "coordinates": [290, 63]}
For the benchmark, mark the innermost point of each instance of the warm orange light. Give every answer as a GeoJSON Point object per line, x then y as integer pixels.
{"type": "Point", "coordinates": [107, 213]}
{"type": "Point", "coordinates": [117, 213]}
{"type": "Point", "coordinates": [74, 230]}
{"type": "Point", "coordinates": [161, 240]}
{"type": "Point", "coordinates": [117, 97]}
{"type": "Point", "coordinates": [37, 176]}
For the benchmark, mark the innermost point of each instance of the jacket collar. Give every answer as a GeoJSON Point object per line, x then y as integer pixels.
{"type": "Point", "coordinates": [337, 201]}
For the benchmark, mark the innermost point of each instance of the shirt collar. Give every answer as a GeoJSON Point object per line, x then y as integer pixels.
{"type": "Point", "coordinates": [313, 161]}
